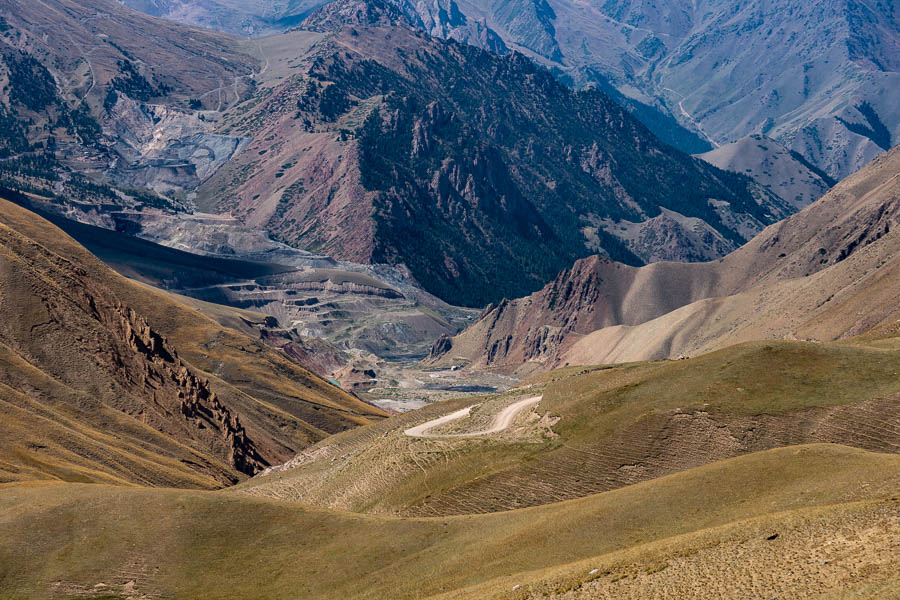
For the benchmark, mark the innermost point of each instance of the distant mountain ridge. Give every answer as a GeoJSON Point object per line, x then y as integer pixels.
{"type": "Point", "coordinates": [819, 77]}
{"type": "Point", "coordinates": [825, 273]}
{"type": "Point", "coordinates": [481, 173]}
{"type": "Point", "coordinates": [237, 17]}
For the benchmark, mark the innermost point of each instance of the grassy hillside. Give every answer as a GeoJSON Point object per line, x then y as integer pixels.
{"type": "Point", "coordinates": [98, 377]}
{"type": "Point", "coordinates": [64, 540]}
{"type": "Point", "coordinates": [601, 428]}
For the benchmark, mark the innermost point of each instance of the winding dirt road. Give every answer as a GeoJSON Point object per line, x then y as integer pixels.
{"type": "Point", "coordinates": [501, 421]}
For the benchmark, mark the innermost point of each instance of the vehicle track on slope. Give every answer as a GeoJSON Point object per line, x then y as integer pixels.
{"type": "Point", "coordinates": [502, 420]}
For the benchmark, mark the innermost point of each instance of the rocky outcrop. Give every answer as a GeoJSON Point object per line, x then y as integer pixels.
{"type": "Point", "coordinates": [442, 346]}
{"type": "Point", "coordinates": [315, 353]}
{"type": "Point", "coordinates": [80, 332]}
{"type": "Point", "coordinates": [357, 378]}
{"type": "Point", "coordinates": [154, 367]}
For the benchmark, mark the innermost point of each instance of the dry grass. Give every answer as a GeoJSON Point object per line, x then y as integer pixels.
{"type": "Point", "coordinates": [182, 544]}
{"type": "Point", "coordinates": [608, 427]}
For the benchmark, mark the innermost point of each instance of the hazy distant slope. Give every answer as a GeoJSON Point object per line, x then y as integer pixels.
{"type": "Point", "coordinates": [820, 77]}
{"type": "Point", "coordinates": [794, 273]}
{"type": "Point", "coordinates": [88, 42]}
{"type": "Point", "coordinates": [111, 97]}
{"type": "Point", "coordinates": [240, 17]}
{"type": "Point", "coordinates": [107, 380]}
{"type": "Point", "coordinates": [773, 166]}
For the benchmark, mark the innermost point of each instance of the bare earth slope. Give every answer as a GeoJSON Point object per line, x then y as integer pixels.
{"type": "Point", "coordinates": [107, 380]}
{"type": "Point", "coordinates": [794, 278]}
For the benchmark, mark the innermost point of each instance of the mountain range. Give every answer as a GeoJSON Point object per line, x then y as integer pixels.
{"type": "Point", "coordinates": [825, 273]}
{"type": "Point", "coordinates": [336, 142]}
{"type": "Point", "coordinates": [818, 77]}
{"type": "Point", "coordinates": [383, 145]}
{"type": "Point", "coordinates": [700, 73]}
{"type": "Point", "coordinates": [231, 231]}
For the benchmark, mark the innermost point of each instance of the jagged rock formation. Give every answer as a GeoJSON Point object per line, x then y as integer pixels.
{"type": "Point", "coordinates": [198, 403]}
{"type": "Point", "coordinates": [103, 395]}
{"type": "Point", "coordinates": [824, 273]}
{"type": "Point", "coordinates": [442, 346]}
{"type": "Point", "coordinates": [138, 362]}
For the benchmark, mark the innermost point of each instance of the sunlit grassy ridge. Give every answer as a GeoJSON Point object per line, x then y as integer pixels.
{"type": "Point", "coordinates": [183, 544]}
{"type": "Point", "coordinates": [602, 428]}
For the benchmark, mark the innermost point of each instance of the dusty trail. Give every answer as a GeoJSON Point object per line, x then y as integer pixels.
{"type": "Point", "coordinates": [501, 421]}
{"type": "Point", "coordinates": [691, 118]}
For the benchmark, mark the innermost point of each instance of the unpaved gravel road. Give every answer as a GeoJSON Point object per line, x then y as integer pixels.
{"type": "Point", "coordinates": [501, 421]}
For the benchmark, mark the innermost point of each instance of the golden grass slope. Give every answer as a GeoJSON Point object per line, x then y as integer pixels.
{"type": "Point", "coordinates": [602, 428]}
{"type": "Point", "coordinates": [80, 404]}
{"type": "Point", "coordinates": [94, 540]}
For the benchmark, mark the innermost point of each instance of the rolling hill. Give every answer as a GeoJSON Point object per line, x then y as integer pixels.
{"type": "Point", "coordinates": [778, 510]}
{"type": "Point", "coordinates": [107, 380]}
{"type": "Point", "coordinates": [602, 428]}
{"type": "Point", "coordinates": [412, 169]}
